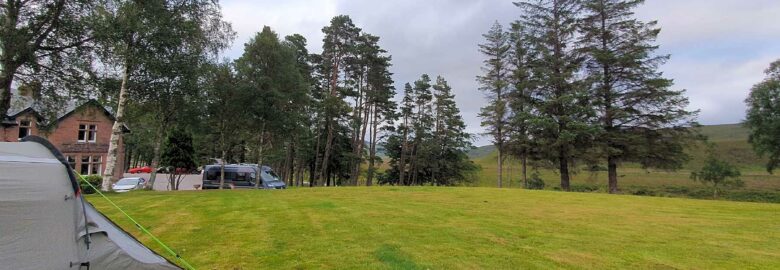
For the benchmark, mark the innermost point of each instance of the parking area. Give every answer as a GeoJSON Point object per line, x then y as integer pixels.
{"type": "Point", "coordinates": [188, 181]}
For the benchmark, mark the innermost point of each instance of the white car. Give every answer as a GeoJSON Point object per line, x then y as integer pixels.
{"type": "Point", "coordinates": [129, 183]}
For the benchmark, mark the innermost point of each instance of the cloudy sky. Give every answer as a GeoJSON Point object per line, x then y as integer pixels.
{"type": "Point", "coordinates": [719, 48]}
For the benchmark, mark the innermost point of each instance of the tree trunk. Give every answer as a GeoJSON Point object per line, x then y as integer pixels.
{"type": "Point", "coordinates": [8, 70]}
{"type": "Point", "coordinates": [525, 170]}
{"type": "Point", "coordinates": [222, 169]}
{"type": "Point", "coordinates": [413, 163]}
{"type": "Point", "coordinates": [563, 166]}
{"type": "Point", "coordinates": [156, 159]}
{"type": "Point", "coordinates": [402, 166]}
{"type": "Point", "coordinates": [289, 169]}
{"type": "Point", "coordinates": [360, 143]}
{"type": "Point", "coordinates": [612, 172]}
{"type": "Point", "coordinates": [326, 155]}
{"type": "Point", "coordinates": [260, 148]}
{"type": "Point", "coordinates": [314, 169]}
{"type": "Point", "coordinates": [500, 167]}
{"type": "Point", "coordinates": [116, 131]}
{"type": "Point", "coordinates": [372, 150]}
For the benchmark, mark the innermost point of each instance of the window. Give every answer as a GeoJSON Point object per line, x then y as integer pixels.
{"type": "Point", "coordinates": [24, 128]}
{"type": "Point", "coordinates": [87, 133]}
{"type": "Point", "coordinates": [72, 162]}
{"type": "Point", "coordinates": [84, 165]}
{"type": "Point", "coordinates": [90, 165]}
{"type": "Point", "coordinates": [95, 165]}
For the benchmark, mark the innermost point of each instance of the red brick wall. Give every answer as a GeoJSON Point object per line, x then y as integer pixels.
{"type": "Point", "coordinates": [64, 136]}
{"type": "Point", "coordinates": [11, 134]}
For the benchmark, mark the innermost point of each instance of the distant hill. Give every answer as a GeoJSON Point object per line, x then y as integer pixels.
{"type": "Point", "coordinates": [481, 151]}
{"type": "Point", "coordinates": [730, 144]}
{"type": "Point", "coordinates": [727, 132]}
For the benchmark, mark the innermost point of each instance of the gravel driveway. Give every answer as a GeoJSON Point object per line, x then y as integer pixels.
{"type": "Point", "coordinates": [161, 181]}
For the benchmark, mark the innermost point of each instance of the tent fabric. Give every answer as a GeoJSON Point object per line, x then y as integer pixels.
{"type": "Point", "coordinates": [45, 223]}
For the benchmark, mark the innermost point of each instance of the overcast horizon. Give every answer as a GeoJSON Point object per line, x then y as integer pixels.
{"type": "Point", "coordinates": [718, 48]}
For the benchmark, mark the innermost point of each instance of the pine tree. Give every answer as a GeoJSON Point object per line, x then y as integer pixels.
{"type": "Point", "coordinates": [451, 142]}
{"type": "Point", "coordinates": [520, 59]}
{"type": "Point", "coordinates": [382, 108]}
{"type": "Point", "coordinates": [432, 136]}
{"type": "Point", "coordinates": [634, 101]}
{"type": "Point", "coordinates": [422, 124]}
{"type": "Point", "coordinates": [559, 127]}
{"type": "Point", "coordinates": [407, 108]}
{"type": "Point", "coordinates": [494, 83]}
{"type": "Point", "coordinates": [338, 45]}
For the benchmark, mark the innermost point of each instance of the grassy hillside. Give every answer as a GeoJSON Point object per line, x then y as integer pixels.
{"type": "Point", "coordinates": [482, 151]}
{"type": "Point", "coordinates": [727, 132]}
{"type": "Point", "coordinates": [452, 228]}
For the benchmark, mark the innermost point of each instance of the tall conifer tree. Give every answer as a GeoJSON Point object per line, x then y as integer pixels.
{"type": "Point", "coordinates": [559, 127]}
{"type": "Point", "coordinates": [494, 84]}
{"type": "Point", "coordinates": [640, 118]}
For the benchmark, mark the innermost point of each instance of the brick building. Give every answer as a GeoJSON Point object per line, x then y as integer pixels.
{"type": "Point", "coordinates": [81, 132]}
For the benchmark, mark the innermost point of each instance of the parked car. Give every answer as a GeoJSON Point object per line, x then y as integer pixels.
{"type": "Point", "coordinates": [242, 176]}
{"type": "Point", "coordinates": [144, 169]}
{"type": "Point", "coordinates": [129, 183]}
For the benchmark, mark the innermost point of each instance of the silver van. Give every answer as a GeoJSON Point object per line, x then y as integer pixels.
{"type": "Point", "coordinates": [242, 176]}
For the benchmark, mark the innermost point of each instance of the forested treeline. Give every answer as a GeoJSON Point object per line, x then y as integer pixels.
{"type": "Point", "coordinates": [578, 81]}
{"type": "Point", "coordinates": [316, 118]}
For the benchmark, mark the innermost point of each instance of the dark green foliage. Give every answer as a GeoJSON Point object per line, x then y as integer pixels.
{"type": "Point", "coordinates": [93, 179]}
{"type": "Point", "coordinates": [718, 175]}
{"type": "Point", "coordinates": [494, 83]}
{"type": "Point", "coordinates": [46, 46]}
{"type": "Point", "coordinates": [535, 182]}
{"type": "Point", "coordinates": [430, 145]}
{"type": "Point", "coordinates": [179, 156]}
{"type": "Point", "coordinates": [560, 123]}
{"type": "Point", "coordinates": [640, 119]}
{"type": "Point", "coordinates": [763, 116]}
{"type": "Point", "coordinates": [178, 151]}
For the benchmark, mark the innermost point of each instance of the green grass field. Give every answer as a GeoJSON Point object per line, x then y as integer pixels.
{"type": "Point", "coordinates": [452, 228]}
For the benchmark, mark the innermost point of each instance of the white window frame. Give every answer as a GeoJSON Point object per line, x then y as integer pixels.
{"type": "Point", "coordinates": [93, 163]}
{"type": "Point", "coordinates": [89, 129]}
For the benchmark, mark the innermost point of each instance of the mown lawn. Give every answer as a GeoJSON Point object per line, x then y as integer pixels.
{"type": "Point", "coordinates": [452, 228]}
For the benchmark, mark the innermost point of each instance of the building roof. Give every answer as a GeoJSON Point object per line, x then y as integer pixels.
{"type": "Point", "coordinates": [23, 104]}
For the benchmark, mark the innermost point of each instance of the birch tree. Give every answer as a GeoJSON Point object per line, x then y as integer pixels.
{"type": "Point", "coordinates": [135, 34]}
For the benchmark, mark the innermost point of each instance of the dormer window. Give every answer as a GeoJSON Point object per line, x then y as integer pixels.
{"type": "Point", "coordinates": [87, 133]}
{"type": "Point", "coordinates": [24, 128]}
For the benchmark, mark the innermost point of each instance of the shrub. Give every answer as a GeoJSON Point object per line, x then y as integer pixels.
{"type": "Point", "coordinates": [95, 180]}
{"type": "Point", "coordinates": [584, 188]}
{"type": "Point", "coordinates": [535, 181]}
{"type": "Point", "coordinates": [643, 192]}
{"type": "Point", "coordinates": [719, 175]}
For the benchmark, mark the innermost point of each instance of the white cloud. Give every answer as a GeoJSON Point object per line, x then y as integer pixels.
{"type": "Point", "coordinates": [285, 17]}
{"type": "Point", "coordinates": [691, 22]}
{"type": "Point", "coordinates": [719, 48]}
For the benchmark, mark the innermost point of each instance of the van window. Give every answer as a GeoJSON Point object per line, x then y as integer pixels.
{"type": "Point", "coordinates": [231, 174]}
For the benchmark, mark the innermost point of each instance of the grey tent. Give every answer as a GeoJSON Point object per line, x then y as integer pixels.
{"type": "Point", "coordinates": [45, 223]}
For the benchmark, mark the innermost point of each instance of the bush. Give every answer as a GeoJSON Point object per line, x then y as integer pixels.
{"type": "Point", "coordinates": [535, 182]}
{"type": "Point", "coordinates": [95, 180]}
{"type": "Point", "coordinates": [644, 192]}
{"type": "Point", "coordinates": [584, 188]}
